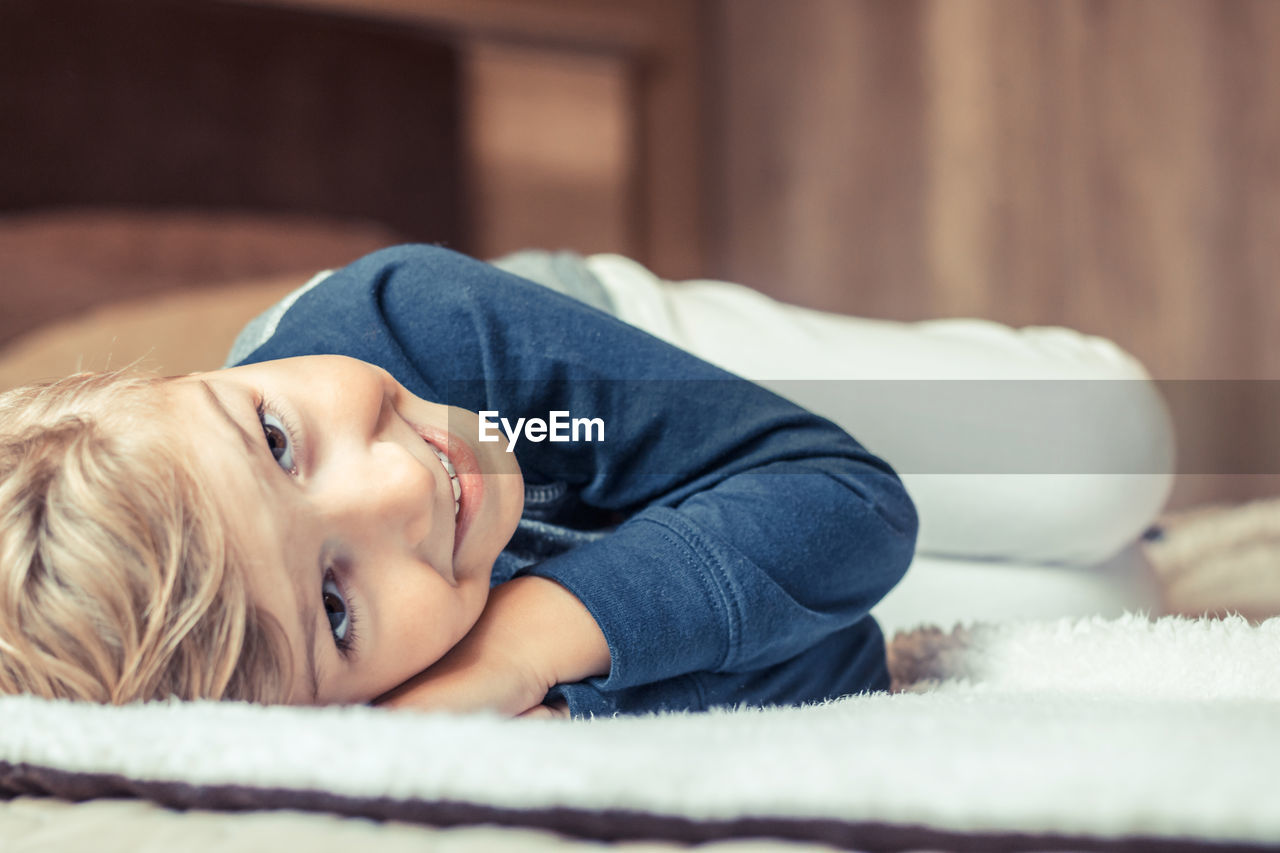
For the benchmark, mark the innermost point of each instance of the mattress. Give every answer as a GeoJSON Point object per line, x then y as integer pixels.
{"type": "Point", "coordinates": [1074, 733]}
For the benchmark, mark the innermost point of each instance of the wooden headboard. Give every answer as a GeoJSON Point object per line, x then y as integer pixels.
{"type": "Point", "coordinates": [151, 144]}
{"type": "Point", "coordinates": [304, 132]}
{"type": "Point", "coordinates": [216, 105]}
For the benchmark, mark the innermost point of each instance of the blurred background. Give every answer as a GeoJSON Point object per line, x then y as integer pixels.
{"type": "Point", "coordinates": [1110, 165]}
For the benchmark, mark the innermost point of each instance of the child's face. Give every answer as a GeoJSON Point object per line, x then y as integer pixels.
{"type": "Point", "coordinates": [325, 470]}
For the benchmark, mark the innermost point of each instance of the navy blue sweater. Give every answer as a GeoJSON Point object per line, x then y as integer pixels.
{"type": "Point", "coordinates": [729, 543]}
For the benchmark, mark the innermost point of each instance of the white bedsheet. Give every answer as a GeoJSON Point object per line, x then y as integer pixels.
{"type": "Point", "coordinates": [943, 592]}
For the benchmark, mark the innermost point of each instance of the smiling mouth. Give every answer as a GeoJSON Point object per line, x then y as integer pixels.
{"type": "Point", "coordinates": [453, 477]}
{"type": "Point", "coordinates": [468, 499]}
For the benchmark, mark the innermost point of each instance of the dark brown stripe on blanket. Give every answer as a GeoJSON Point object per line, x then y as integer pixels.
{"type": "Point", "coordinates": [606, 825]}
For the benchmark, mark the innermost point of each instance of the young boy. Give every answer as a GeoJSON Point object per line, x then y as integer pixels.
{"type": "Point", "coordinates": [329, 521]}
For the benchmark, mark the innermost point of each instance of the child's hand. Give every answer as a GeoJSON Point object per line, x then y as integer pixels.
{"type": "Point", "coordinates": [484, 671]}
{"type": "Point", "coordinates": [532, 635]}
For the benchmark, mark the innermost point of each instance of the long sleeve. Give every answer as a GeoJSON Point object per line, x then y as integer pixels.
{"type": "Point", "coordinates": [852, 660]}
{"type": "Point", "coordinates": [748, 529]}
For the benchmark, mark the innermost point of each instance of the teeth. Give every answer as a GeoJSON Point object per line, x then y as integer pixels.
{"type": "Point", "coordinates": [453, 479]}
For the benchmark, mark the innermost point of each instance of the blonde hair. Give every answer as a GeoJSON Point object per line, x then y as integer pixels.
{"type": "Point", "coordinates": [117, 580]}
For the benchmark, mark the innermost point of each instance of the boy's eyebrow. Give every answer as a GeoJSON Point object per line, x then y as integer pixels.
{"type": "Point", "coordinates": [308, 624]}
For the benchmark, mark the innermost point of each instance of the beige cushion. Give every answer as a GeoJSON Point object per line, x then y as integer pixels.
{"type": "Point", "coordinates": [177, 332]}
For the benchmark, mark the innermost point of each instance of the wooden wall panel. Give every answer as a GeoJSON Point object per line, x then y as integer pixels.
{"type": "Point", "coordinates": [1111, 165]}
{"type": "Point", "coordinates": [817, 157]}
{"type": "Point", "coordinates": [551, 150]}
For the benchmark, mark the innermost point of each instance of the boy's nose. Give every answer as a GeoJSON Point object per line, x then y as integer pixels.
{"type": "Point", "coordinates": [417, 495]}
{"type": "Point", "coordinates": [397, 497]}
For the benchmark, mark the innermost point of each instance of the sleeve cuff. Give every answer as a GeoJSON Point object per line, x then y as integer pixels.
{"type": "Point", "coordinates": [588, 701]}
{"type": "Point", "coordinates": [584, 701]}
{"type": "Point", "coordinates": [655, 597]}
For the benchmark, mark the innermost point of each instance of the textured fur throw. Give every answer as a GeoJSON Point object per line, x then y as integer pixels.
{"type": "Point", "coordinates": [1220, 559]}
{"type": "Point", "coordinates": [1091, 734]}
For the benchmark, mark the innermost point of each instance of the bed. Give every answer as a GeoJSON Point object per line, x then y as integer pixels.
{"type": "Point", "coordinates": [1033, 707]}
{"type": "Point", "coordinates": [1079, 733]}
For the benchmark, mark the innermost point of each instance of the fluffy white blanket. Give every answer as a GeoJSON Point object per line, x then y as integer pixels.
{"type": "Point", "coordinates": [1072, 733]}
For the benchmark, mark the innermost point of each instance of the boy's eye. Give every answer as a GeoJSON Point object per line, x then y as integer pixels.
{"type": "Point", "coordinates": [336, 609]}
{"type": "Point", "coordinates": [277, 440]}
